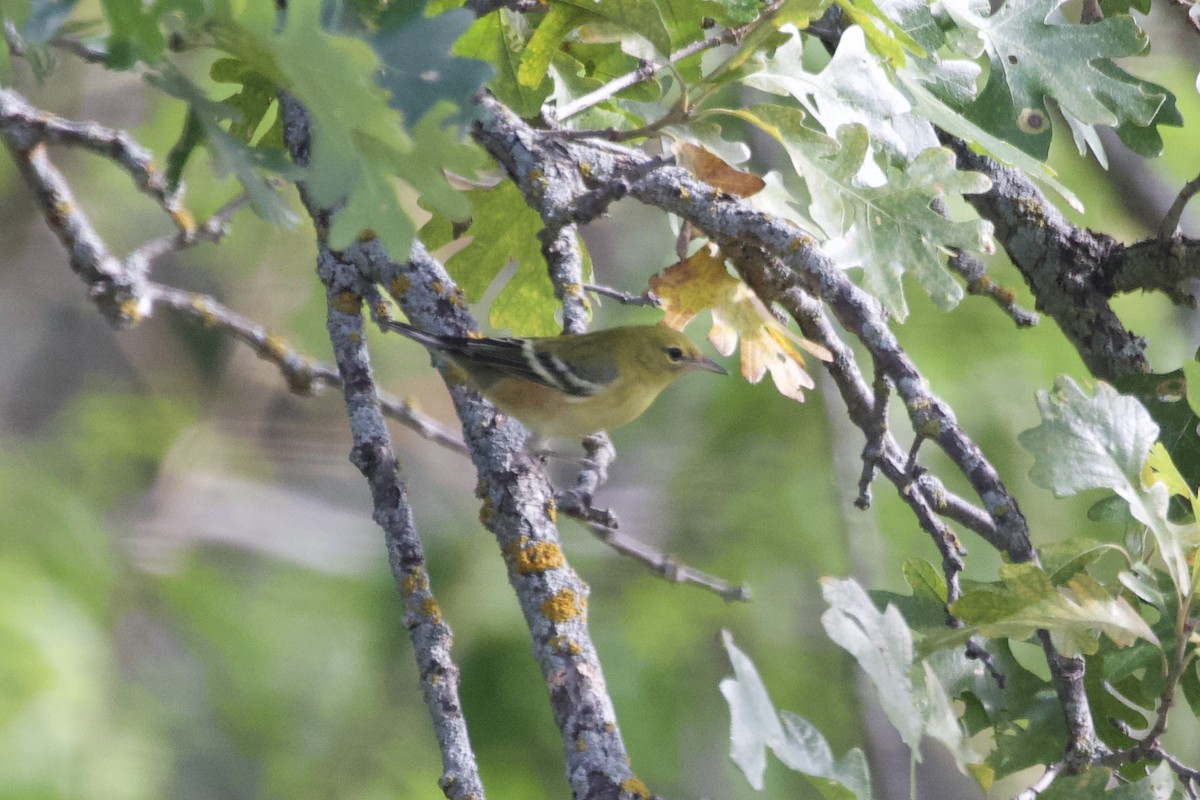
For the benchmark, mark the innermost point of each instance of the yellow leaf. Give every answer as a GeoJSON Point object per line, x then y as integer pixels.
{"type": "Point", "coordinates": [701, 281]}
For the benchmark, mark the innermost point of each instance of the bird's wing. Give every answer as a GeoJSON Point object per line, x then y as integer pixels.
{"type": "Point", "coordinates": [517, 358]}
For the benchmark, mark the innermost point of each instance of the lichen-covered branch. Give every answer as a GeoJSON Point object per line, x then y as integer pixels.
{"type": "Point", "coordinates": [118, 293]}
{"type": "Point", "coordinates": [372, 453]}
{"type": "Point", "coordinates": [801, 266]}
{"type": "Point", "coordinates": [1063, 265]}
{"type": "Point", "coordinates": [734, 224]}
{"type": "Point", "coordinates": [518, 508]}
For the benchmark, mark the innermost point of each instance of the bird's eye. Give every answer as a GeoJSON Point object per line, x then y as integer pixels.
{"type": "Point", "coordinates": [674, 353]}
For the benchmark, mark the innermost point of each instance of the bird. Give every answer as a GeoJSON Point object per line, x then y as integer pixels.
{"type": "Point", "coordinates": [571, 385]}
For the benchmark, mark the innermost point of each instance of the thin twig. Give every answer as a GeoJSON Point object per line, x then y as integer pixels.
{"type": "Point", "coordinates": [667, 566]}
{"type": "Point", "coordinates": [974, 272]}
{"type": "Point", "coordinates": [876, 428]}
{"type": "Point", "coordinates": [1043, 783]}
{"type": "Point", "coordinates": [213, 230]}
{"type": "Point", "coordinates": [375, 458]}
{"type": "Point", "coordinates": [1169, 228]}
{"type": "Point", "coordinates": [303, 375]}
{"type": "Point", "coordinates": [647, 70]}
{"type": "Point", "coordinates": [115, 145]}
{"type": "Point", "coordinates": [625, 298]}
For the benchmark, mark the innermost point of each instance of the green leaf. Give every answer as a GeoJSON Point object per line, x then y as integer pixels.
{"type": "Point", "coordinates": [253, 101]}
{"type": "Point", "coordinates": [134, 34]}
{"type": "Point", "coordinates": [560, 20]}
{"type": "Point", "coordinates": [928, 95]}
{"type": "Point", "coordinates": [1101, 442]}
{"type": "Point", "coordinates": [1026, 601]}
{"type": "Point", "coordinates": [896, 231]}
{"type": "Point", "coordinates": [1063, 560]}
{"type": "Point", "coordinates": [924, 579]}
{"type": "Point", "coordinates": [1092, 784]}
{"type": "Point", "coordinates": [755, 726]}
{"type": "Point", "coordinates": [358, 147]}
{"type": "Point", "coordinates": [571, 81]}
{"type": "Point", "coordinates": [852, 88]}
{"type": "Point", "coordinates": [640, 17]}
{"type": "Point", "coordinates": [232, 156]}
{"type": "Point", "coordinates": [504, 229]}
{"type": "Point", "coordinates": [416, 64]}
{"type": "Point", "coordinates": [499, 40]}
{"type": "Point", "coordinates": [1168, 398]}
{"type": "Point", "coordinates": [1032, 60]}
{"type": "Point", "coordinates": [882, 645]}
{"type": "Point", "coordinates": [1143, 140]}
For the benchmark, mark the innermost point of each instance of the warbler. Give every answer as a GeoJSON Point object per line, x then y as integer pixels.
{"type": "Point", "coordinates": [571, 385]}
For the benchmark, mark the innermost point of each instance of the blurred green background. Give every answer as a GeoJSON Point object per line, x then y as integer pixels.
{"type": "Point", "coordinates": [194, 602]}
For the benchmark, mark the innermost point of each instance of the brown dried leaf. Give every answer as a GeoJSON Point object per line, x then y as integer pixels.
{"type": "Point", "coordinates": [708, 166]}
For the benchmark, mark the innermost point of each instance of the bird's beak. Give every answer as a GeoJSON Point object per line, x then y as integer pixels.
{"type": "Point", "coordinates": [708, 365]}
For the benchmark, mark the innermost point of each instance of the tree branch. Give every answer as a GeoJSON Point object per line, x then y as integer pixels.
{"type": "Point", "coordinates": [518, 505]}
{"type": "Point", "coordinates": [1062, 264]}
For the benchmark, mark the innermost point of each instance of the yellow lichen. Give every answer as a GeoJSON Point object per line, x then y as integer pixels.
{"type": "Point", "coordinates": [346, 302]}
{"type": "Point", "coordinates": [564, 646]}
{"type": "Point", "coordinates": [184, 220]}
{"type": "Point", "coordinates": [366, 235]}
{"type": "Point", "coordinates": [415, 580]}
{"type": "Point", "coordinates": [130, 311]}
{"type": "Point", "coordinates": [430, 608]}
{"type": "Point", "coordinates": [400, 285]}
{"type": "Point", "coordinates": [274, 347]}
{"type": "Point", "coordinates": [204, 311]}
{"type": "Point", "coordinates": [634, 786]}
{"type": "Point", "coordinates": [552, 510]}
{"type": "Point", "coordinates": [487, 512]}
{"type": "Point", "coordinates": [529, 557]}
{"type": "Point", "coordinates": [563, 605]}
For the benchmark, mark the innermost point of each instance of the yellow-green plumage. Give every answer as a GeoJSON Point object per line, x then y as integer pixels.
{"type": "Point", "coordinates": [572, 385]}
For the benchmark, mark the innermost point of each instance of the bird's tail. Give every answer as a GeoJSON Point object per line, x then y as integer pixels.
{"type": "Point", "coordinates": [416, 334]}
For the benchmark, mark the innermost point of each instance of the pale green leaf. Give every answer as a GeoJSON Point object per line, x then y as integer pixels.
{"type": "Point", "coordinates": [1101, 442]}
{"type": "Point", "coordinates": [826, 164]}
{"type": "Point", "coordinates": [1083, 442]}
{"type": "Point", "coordinates": [755, 726]}
{"type": "Point", "coordinates": [1026, 602]}
{"type": "Point", "coordinates": [852, 88]}
{"type": "Point", "coordinates": [889, 39]}
{"type": "Point", "coordinates": [882, 645]}
{"type": "Point", "coordinates": [895, 231]}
